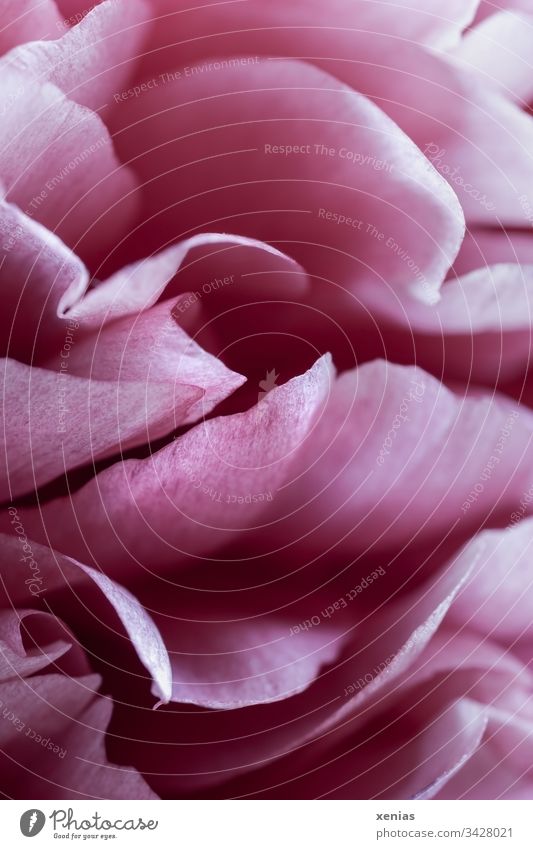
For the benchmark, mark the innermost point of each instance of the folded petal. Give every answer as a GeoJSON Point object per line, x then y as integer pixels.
{"type": "Point", "coordinates": [248, 742]}
{"type": "Point", "coordinates": [472, 134]}
{"type": "Point", "coordinates": [228, 29]}
{"type": "Point", "coordinates": [94, 60]}
{"type": "Point", "coordinates": [139, 285]}
{"type": "Point", "coordinates": [152, 351]}
{"type": "Point", "coordinates": [40, 279]}
{"type": "Point", "coordinates": [410, 752]}
{"type": "Point", "coordinates": [67, 584]}
{"type": "Point", "coordinates": [18, 661]}
{"type": "Point", "coordinates": [501, 766]}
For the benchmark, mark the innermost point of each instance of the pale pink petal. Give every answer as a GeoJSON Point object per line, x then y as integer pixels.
{"type": "Point", "coordinates": [193, 494]}
{"type": "Point", "coordinates": [59, 166]}
{"type": "Point", "coordinates": [52, 742]}
{"type": "Point", "coordinates": [350, 170]}
{"type": "Point", "coordinates": [28, 20]}
{"type": "Point", "coordinates": [152, 350]}
{"type": "Point", "coordinates": [54, 421]}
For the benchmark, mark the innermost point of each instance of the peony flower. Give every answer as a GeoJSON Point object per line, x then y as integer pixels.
{"type": "Point", "coordinates": [267, 470]}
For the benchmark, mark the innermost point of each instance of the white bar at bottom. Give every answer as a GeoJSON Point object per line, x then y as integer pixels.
{"type": "Point", "coordinates": [270, 824]}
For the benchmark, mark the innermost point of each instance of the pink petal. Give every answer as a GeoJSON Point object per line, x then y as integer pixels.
{"type": "Point", "coordinates": [383, 646]}
{"type": "Point", "coordinates": [409, 754]}
{"type": "Point", "coordinates": [28, 20]}
{"type": "Point", "coordinates": [193, 494]}
{"type": "Point", "coordinates": [231, 663]}
{"type": "Point", "coordinates": [54, 421]}
{"type": "Point", "coordinates": [247, 29]}
{"type": "Point", "coordinates": [138, 286]}
{"type": "Point", "coordinates": [490, 247]}
{"type": "Point", "coordinates": [319, 206]}
{"type": "Point", "coordinates": [59, 166]}
{"type": "Point", "coordinates": [499, 48]}
{"type": "Point", "coordinates": [40, 280]}
{"type": "Point", "coordinates": [53, 573]}
{"type": "Point", "coordinates": [72, 720]}
{"type": "Point", "coordinates": [501, 767]}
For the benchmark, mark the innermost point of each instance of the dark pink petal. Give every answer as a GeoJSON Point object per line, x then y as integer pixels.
{"type": "Point", "coordinates": [94, 60]}
{"type": "Point", "coordinates": [498, 599]}
{"type": "Point", "coordinates": [52, 742]}
{"type": "Point", "coordinates": [350, 170]}
{"type": "Point", "coordinates": [410, 752]}
{"type": "Point", "coordinates": [54, 421]}
{"type": "Point", "coordinates": [193, 494]}
{"type": "Point", "coordinates": [28, 20]}
{"type": "Point", "coordinates": [51, 574]}
{"type": "Point", "coordinates": [490, 247]}
{"type": "Point", "coordinates": [59, 166]}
